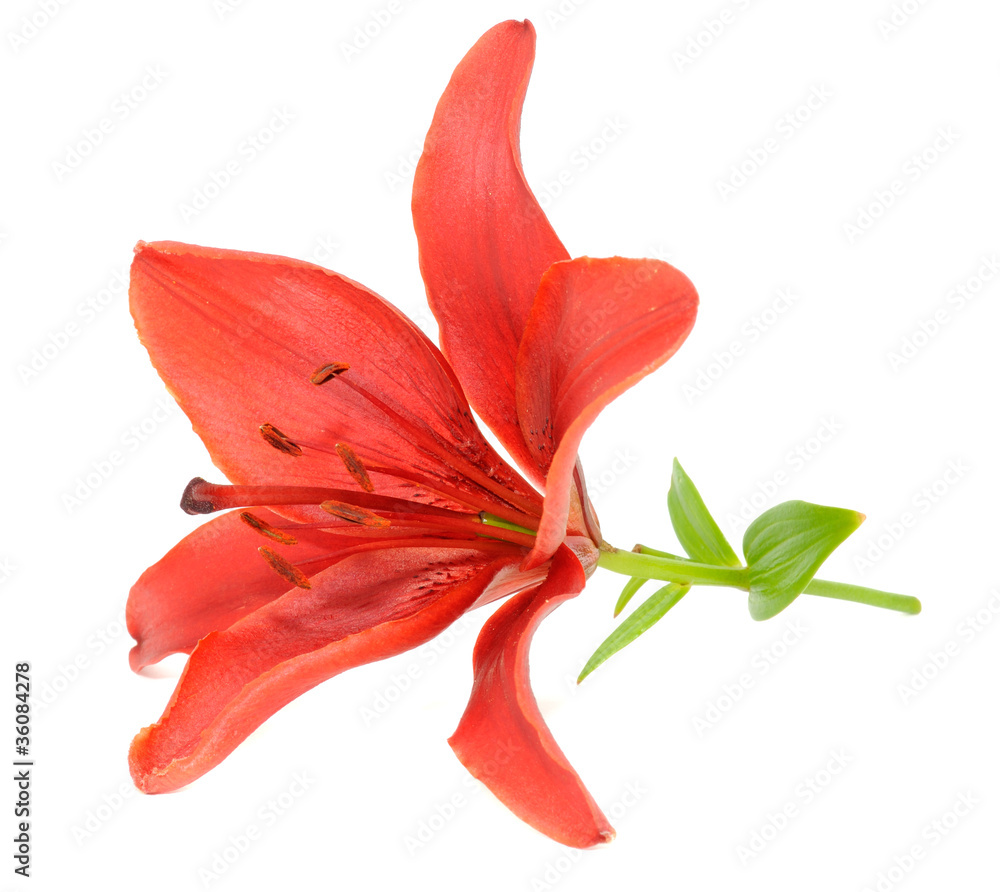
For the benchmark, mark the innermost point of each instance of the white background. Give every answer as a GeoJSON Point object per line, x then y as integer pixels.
{"type": "Point", "coordinates": [684, 801]}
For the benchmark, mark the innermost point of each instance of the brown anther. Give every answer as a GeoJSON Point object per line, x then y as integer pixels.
{"type": "Point", "coordinates": [325, 372]}
{"type": "Point", "coordinates": [265, 529]}
{"type": "Point", "coordinates": [354, 467]}
{"type": "Point", "coordinates": [273, 437]}
{"type": "Point", "coordinates": [283, 568]}
{"type": "Point", "coordinates": [354, 514]}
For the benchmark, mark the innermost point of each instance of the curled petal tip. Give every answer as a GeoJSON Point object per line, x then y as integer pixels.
{"type": "Point", "coordinates": [135, 662]}
{"type": "Point", "coordinates": [140, 777]}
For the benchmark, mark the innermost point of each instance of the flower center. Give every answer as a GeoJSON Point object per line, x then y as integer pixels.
{"type": "Point", "coordinates": [470, 506]}
{"type": "Point", "coordinates": [357, 520]}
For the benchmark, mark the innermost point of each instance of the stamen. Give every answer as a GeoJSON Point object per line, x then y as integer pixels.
{"type": "Point", "coordinates": [354, 467]}
{"type": "Point", "coordinates": [283, 568]}
{"type": "Point", "coordinates": [325, 372]}
{"type": "Point", "coordinates": [264, 528]}
{"type": "Point", "coordinates": [273, 437]}
{"type": "Point", "coordinates": [354, 514]}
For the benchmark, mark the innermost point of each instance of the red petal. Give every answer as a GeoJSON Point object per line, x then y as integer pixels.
{"type": "Point", "coordinates": [484, 240]}
{"type": "Point", "coordinates": [209, 580]}
{"type": "Point", "coordinates": [596, 328]}
{"type": "Point", "coordinates": [367, 607]}
{"type": "Point", "coordinates": [237, 338]}
{"type": "Point", "coordinates": [502, 738]}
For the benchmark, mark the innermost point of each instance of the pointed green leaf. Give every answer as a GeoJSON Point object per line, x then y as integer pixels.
{"type": "Point", "coordinates": [631, 587]}
{"type": "Point", "coordinates": [695, 527]}
{"type": "Point", "coordinates": [644, 617]}
{"type": "Point", "coordinates": [784, 548]}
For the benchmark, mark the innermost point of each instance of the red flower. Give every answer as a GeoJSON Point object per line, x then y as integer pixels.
{"type": "Point", "coordinates": [349, 440]}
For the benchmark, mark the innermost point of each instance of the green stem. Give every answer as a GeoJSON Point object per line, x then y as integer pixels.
{"type": "Point", "coordinates": [652, 564]}
{"type": "Point", "coordinates": [844, 592]}
{"type": "Point", "coordinates": [671, 569]}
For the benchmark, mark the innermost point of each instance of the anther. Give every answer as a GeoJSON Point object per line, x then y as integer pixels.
{"type": "Point", "coordinates": [325, 372]}
{"type": "Point", "coordinates": [273, 437]}
{"type": "Point", "coordinates": [354, 467]}
{"type": "Point", "coordinates": [283, 568]}
{"type": "Point", "coordinates": [265, 529]}
{"type": "Point", "coordinates": [354, 514]}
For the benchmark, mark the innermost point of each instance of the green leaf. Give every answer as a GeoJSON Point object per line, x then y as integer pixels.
{"type": "Point", "coordinates": [643, 618]}
{"type": "Point", "coordinates": [784, 548]}
{"type": "Point", "coordinates": [631, 587]}
{"type": "Point", "coordinates": [695, 527]}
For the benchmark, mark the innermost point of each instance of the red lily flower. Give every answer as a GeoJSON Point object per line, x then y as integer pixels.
{"type": "Point", "coordinates": [352, 450]}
